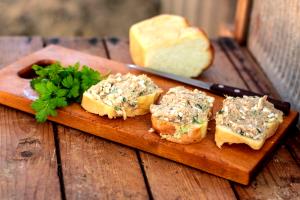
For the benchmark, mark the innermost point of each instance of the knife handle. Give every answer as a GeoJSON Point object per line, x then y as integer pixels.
{"type": "Point", "coordinates": [238, 92]}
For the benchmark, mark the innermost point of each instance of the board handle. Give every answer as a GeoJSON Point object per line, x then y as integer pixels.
{"type": "Point", "coordinates": [238, 92]}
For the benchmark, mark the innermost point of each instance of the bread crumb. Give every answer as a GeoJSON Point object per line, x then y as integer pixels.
{"type": "Point", "coordinates": [151, 130]}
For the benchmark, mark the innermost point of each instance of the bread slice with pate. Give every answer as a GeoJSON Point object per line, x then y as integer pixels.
{"type": "Point", "coordinates": [182, 115]}
{"type": "Point", "coordinates": [121, 96]}
{"type": "Point", "coordinates": [248, 120]}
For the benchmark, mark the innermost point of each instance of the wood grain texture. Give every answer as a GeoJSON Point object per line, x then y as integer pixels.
{"type": "Point", "coordinates": [280, 179]}
{"type": "Point", "coordinates": [293, 144]}
{"type": "Point", "coordinates": [27, 148]}
{"type": "Point", "coordinates": [165, 176]}
{"type": "Point", "coordinates": [247, 70]}
{"type": "Point", "coordinates": [274, 41]}
{"type": "Point", "coordinates": [242, 12]}
{"type": "Point", "coordinates": [272, 182]}
{"type": "Point", "coordinates": [13, 48]}
{"type": "Point", "coordinates": [94, 168]}
{"type": "Point", "coordinates": [171, 180]}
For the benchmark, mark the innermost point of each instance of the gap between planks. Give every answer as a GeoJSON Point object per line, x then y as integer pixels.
{"type": "Point", "coordinates": [36, 140]}
{"type": "Point", "coordinates": [57, 151]}
{"type": "Point", "coordinates": [136, 151]}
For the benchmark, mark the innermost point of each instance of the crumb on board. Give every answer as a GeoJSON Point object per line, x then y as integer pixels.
{"type": "Point", "coordinates": [151, 130]}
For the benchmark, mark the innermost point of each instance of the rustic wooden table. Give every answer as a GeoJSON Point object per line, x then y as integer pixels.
{"type": "Point", "coordinates": [50, 161]}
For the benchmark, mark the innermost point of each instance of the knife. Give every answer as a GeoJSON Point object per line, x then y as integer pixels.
{"type": "Point", "coordinates": [215, 88]}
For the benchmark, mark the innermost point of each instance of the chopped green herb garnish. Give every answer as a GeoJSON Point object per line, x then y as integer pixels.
{"type": "Point", "coordinates": [258, 130]}
{"type": "Point", "coordinates": [58, 86]}
{"type": "Point", "coordinates": [179, 117]}
{"type": "Point", "coordinates": [241, 132]}
{"type": "Point", "coordinates": [220, 111]}
{"type": "Point", "coordinates": [197, 121]}
{"type": "Point", "coordinates": [198, 106]}
{"type": "Point", "coordinates": [183, 129]}
{"type": "Point", "coordinates": [117, 108]}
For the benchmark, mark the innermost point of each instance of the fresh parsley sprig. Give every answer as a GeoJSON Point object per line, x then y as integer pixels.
{"type": "Point", "coordinates": [59, 86]}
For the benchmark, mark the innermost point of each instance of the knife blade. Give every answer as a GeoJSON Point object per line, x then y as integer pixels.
{"type": "Point", "coordinates": [219, 89]}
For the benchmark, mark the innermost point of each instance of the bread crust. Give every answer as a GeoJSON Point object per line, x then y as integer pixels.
{"type": "Point", "coordinates": [141, 54]}
{"type": "Point", "coordinates": [99, 107]}
{"type": "Point", "coordinates": [226, 135]}
{"type": "Point", "coordinates": [210, 49]}
{"type": "Point", "coordinates": [167, 130]}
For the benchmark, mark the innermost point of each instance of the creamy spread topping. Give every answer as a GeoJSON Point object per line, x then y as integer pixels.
{"type": "Point", "coordinates": [121, 91]}
{"type": "Point", "coordinates": [248, 116]}
{"type": "Point", "coordinates": [183, 106]}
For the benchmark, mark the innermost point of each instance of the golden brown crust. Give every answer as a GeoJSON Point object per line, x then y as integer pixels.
{"type": "Point", "coordinates": [163, 127]}
{"type": "Point", "coordinates": [211, 49]}
{"type": "Point", "coordinates": [168, 129]}
{"type": "Point", "coordinates": [140, 52]}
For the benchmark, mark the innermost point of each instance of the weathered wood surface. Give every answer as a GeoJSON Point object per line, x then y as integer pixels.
{"type": "Point", "coordinates": [94, 168]}
{"type": "Point", "coordinates": [279, 179]}
{"type": "Point", "coordinates": [205, 155]}
{"type": "Point", "coordinates": [28, 165]}
{"type": "Point", "coordinates": [274, 41]}
{"type": "Point", "coordinates": [242, 13]}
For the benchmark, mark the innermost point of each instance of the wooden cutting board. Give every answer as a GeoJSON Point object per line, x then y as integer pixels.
{"type": "Point", "coordinates": [235, 162]}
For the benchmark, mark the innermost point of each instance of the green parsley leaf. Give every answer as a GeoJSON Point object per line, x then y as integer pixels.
{"type": "Point", "coordinates": [58, 86]}
{"type": "Point", "coordinates": [68, 81]}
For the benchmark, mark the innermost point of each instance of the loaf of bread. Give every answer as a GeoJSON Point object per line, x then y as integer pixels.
{"type": "Point", "coordinates": [167, 43]}
{"type": "Point", "coordinates": [121, 96]}
{"type": "Point", "coordinates": [248, 120]}
{"type": "Point", "coordinates": [182, 115]}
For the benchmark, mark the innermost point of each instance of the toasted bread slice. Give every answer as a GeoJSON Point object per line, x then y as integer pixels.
{"type": "Point", "coordinates": [168, 43]}
{"type": "Point", "coordinates": [248, 120]}
{"type": "Point", "coordinates": [182, 115]}
{"type": "Point", "coordinates": [121, 96]}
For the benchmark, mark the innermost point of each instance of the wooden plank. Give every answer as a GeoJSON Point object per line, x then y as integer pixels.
{"type": "Point", "coordinates": [274, 42]}
{"type": "Point", "coordinates": [13, 48]}
{"type": "Point", "coordinates": [248, 70]}
{"type": "Point", "coordinates": [293, 144]}
{"type": "Point", "coordinates": [171, 180]}
{"type": "Point", "coordinates": [272, 182]}
{"type": "Point", "coordinates": [280, 179]}
{"type": "Point", "coordinates": [242, 14]}
{"type": "Point", "coordinates": [27, 148]}
{"type": "Point", "coordinates": [95, 168]}
{"type": "Point", "coordinates": [165, 176]}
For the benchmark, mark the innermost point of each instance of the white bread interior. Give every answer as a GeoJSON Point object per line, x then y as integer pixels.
{"type": "Point", "coordinates": [168, 43]}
